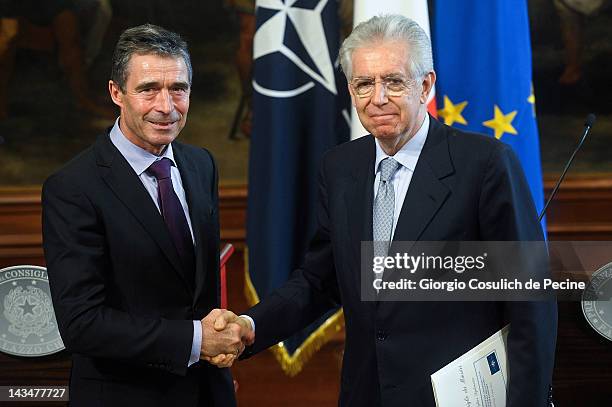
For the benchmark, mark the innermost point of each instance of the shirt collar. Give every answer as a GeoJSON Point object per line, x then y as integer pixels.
{"type": "Point", "coordinates": [408, 155]}
{"type": "Point", "coordinates": [138, 158]}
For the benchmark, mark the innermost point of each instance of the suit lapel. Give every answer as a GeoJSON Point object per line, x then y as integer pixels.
{"type": "Point", "coordinates": [426, 192]}
{"type": "Point", "coordinates": [128, 188]}
{"type": "Point", "coordinates": [197, 211]}
{"type": "Point", "coordinates": [425, 195]}
{"type": "Point", "coordinates": [358, 198]}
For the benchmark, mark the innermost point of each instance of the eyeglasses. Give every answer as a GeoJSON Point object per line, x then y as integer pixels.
{"type": "Point", "coordinates": [394, 86]}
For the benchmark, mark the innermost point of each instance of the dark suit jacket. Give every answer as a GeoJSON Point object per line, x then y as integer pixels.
{"type": "Point", "coordinates": [465, 187]}
{"type": "Point", "coordinates": [122, 302]}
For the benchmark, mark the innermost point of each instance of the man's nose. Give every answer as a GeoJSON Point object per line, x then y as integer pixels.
{"type": "Point", "coordinates": [380, 94]}
{"type": "Point", "coordinates": [164, 102]}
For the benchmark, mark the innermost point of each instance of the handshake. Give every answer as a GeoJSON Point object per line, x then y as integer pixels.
{"type": "Point", "coordinates": [224, 337]}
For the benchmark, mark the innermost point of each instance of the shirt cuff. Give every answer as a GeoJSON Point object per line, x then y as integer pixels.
{"type": "Point", "coordinates": [248, 318]}
{"type": "Point", "coordinates": [196, 344]}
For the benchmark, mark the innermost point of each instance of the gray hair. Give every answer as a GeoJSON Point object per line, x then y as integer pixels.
{"type": "Point", "coordinates": [146, 39]}
{"type": "Point", "coordinates": [389, 27]}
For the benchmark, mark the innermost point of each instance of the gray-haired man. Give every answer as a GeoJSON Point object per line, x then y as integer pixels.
{"type": "Point", "coordinates": [412, 179]}
{"type": "Point", "coordinates": [131, 236]}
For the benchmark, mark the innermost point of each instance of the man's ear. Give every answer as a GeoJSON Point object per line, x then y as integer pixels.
{"type": "Point", "coordinates": [115, 93]}
{"type": "Point", "coordinates": [428, 83]}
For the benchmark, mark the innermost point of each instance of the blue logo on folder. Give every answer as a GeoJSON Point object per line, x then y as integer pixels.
{"type": "Point", "coordinates": [493, 364]}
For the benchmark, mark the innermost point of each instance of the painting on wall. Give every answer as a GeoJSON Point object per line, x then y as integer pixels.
{"type": "Point", "coordinates": [55, 100]}
{"type": "Point", "coordinates": [55, 59]}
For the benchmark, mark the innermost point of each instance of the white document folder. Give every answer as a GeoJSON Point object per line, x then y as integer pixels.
{"type": "Point", "coordinates": [477, 378]}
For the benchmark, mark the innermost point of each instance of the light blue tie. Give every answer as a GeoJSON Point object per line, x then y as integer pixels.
{"type": "Point", "coordinates": [384, 205]}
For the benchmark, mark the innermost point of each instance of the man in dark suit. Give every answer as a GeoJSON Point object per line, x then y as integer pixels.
{"type": "Point", "coordinates": [412, 179]}
{"type": "Point", "coordinates": [131, 236]}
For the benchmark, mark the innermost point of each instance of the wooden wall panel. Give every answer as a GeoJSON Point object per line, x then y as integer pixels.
{"type": "Point", "coordinates": [20, 227]}
{"type": "Point", "coordinates": [581, 211]}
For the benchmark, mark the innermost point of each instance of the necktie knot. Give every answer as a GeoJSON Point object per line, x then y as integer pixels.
{"type": "Point", "coordinates": [160, 169]}
{"type": "Point", "coordinates": [388, 166]}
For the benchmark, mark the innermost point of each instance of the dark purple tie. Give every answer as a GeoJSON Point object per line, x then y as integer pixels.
{"type": "Point", "coordinates": [174, 216]}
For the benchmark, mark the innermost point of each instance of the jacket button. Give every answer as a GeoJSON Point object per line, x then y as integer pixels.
{"type": "Point", "coordinates": [381, 335]}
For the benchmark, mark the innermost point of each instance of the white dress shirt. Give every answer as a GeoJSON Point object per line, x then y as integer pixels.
{"type": "Point", "coordinates": [408, 157]}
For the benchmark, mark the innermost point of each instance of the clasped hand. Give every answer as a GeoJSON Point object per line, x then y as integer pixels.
{"type": "Point", "coordinates": [224, 337]}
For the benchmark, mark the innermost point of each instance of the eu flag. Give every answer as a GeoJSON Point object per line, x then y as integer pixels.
{"type": "Point", "coordinates": [482, 54]}
{"type": "Point", "coordinates": [300, 107]}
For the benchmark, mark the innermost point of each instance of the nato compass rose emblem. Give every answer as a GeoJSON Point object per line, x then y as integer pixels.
{"type": "Point", "coordinates": [297, 34]}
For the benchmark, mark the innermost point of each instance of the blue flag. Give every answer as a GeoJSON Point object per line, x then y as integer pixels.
{"type": "Point", "coordinates": [300, 110]}
{"type": "Point", "coordinates": [482, 54]}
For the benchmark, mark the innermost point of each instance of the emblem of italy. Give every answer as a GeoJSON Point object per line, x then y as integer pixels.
{"type": "Point", "coordinates": [29, 311]}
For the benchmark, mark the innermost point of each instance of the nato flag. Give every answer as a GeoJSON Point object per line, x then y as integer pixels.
{"type": "Point", "coordinates": [300, 107]}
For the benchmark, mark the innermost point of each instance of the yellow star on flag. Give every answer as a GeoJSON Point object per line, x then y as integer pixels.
{"type": "Point", "coordinates": [452, 113]}
{"type": "Point", "coordinates": [501, 123]}
{"type": "Point", "coordinates": [531, 99]}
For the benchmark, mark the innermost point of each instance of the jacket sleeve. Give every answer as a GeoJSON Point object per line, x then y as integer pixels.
{"type": "Point", "coordinates": [311, 291]}
{"type": "Point", "coordinates": [507, 213]}
{"type": "Point", "coordinates": [78, 266]}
